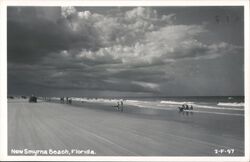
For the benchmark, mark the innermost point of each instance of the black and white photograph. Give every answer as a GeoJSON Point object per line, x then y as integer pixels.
{"type": "Point", "coordinates": [126, 81]}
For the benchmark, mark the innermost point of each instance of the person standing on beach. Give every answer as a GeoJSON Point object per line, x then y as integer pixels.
{"type": "Point", "coordinates": [118, 105]}
{"type": "Point", "coordinates": [62, 99]}
{"type": "Point", "coordinates": [121, 106]}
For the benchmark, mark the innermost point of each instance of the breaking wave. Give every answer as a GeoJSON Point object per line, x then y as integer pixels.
{"type": "Point", "coordinates": [175, 102]}
{"type": "Point", "coordinates": [235, 104]}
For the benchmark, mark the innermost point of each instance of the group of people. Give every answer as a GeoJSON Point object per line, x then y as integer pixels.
{"type": "Point", "coordinates": [119, 106]}
{"type": "Point", "coordinates": [186, 107]}
{"type": "Point", "coordinates": [68, 100]}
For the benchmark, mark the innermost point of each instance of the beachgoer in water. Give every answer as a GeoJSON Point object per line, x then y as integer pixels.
{"type": "Point", "coordinates": [191, 107]}
{"type": "Point", "coordinates": [182, 108]}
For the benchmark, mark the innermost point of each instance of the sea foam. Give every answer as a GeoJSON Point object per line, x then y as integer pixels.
{"type": "Point", "coordinates": [235, 104]}
{"type": "Point", "coordinates": [175, 102]}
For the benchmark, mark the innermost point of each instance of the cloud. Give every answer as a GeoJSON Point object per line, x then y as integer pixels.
{"type": "Point", "coordinates": [177, 42]}
{"type": "Point", "coordinates": [68, 11]}
{"type": "Point", "coordinates": [169, 44]}
{"type": "Point", "coordinates": [147, 85]}
{"type": "Point", "coordinates": [138, 36]}
{"type": "Point", "coordinates": [131, 50]}
{"type": "Point", "coordinates": [125, 29]}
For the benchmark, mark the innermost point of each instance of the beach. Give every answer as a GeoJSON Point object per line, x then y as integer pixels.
{"type": "Point", "coordinates": [98, 129]}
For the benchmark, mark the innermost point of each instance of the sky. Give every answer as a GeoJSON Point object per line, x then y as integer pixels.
{"type": "Point", "coordinates": [125, 51]}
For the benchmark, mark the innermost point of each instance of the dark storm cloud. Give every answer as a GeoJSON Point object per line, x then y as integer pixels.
{"type": "Point", "coordinates": [32, 35]}
{"type": "Point", "coordinates": [130, 50]}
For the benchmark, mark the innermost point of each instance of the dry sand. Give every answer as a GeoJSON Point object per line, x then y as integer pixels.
{"type": "Point", "coordinates": [135, 132]}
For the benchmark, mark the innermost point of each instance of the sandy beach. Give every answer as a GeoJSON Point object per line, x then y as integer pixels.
{"type": "Point", "coordinates": [134, 132]}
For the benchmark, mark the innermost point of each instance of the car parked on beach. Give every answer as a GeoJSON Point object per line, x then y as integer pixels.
{"type": "Point", "coordinates": [10, 97]}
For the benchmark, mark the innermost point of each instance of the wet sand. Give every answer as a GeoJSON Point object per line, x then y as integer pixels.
{"type": "Point", "coordinates": [134, 132]}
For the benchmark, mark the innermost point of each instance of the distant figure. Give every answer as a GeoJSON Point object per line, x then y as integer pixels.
{"type": "Point", "coordinates": [181, 108]}
{"type": "Point", "coordinates": [70, 101]}
{"type": "Point", "coordinates": [67, 100]}
{"type": "Point", "coordinates": [191, 107]}
{"type": "Point", "coordinates": [186, 107]}
{"type": "Point", "coordinates": [33, 99]}
{"type": "Point", "coordinates": [118, 105]}
{"type": "Point", "coordinates": [121, 106]}
{"type": "Point", "coordinates": [62, 99]}
{"type": "Point", "coordinates": [23, 97]}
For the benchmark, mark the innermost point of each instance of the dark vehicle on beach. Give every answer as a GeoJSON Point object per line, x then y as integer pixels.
{"type": "Point", "coordinates": [10, 97]}
{"type": "Point", "coordinates": [33, 99]}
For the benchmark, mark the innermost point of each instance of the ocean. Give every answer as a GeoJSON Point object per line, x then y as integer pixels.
{"type": "Point", "coordinates": [227, 105]}
{"type": "Point", "coordinates": [229, 101]}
